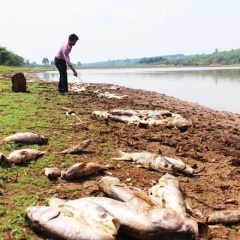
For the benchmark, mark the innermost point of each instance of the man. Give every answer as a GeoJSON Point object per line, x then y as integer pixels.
{"type": "Point", "coordinates": [62, 60]}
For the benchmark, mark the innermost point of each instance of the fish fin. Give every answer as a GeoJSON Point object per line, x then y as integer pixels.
{"type": "Point", "coordinates": [55, 202]}
{"type": "Point", "coordinates": [42, 152]}
{"type": "Point", "coordinates": [66, 210]}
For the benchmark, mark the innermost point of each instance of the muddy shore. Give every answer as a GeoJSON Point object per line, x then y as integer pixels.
{"type": "Point", "coordinates": [210, 145]}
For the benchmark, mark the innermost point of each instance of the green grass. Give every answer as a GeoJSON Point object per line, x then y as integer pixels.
{"type": "Point", "coordinates": [38, 110]}
{"type": "Point", "coordinates": [25, 185]}
{"type": "Point", "coordinates": [10, 69]}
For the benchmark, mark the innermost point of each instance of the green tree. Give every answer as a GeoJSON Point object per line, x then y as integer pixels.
{"type": "Point", "coordinates": [27, 63]}
{"type": "Point", "coordinates": [45, 61]}
{"type": "Point", "coordinates": [8, 58]}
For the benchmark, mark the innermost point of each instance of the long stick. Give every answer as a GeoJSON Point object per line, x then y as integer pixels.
{"type": "Point", "coordinates": [82, 81]}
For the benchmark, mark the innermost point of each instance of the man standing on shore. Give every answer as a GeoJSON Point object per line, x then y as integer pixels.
{"type": "Point", "coordinates": [62, 60]}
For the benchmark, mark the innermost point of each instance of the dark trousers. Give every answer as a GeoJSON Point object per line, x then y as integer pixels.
{"type": "Point", "coordinates": [62, 68]}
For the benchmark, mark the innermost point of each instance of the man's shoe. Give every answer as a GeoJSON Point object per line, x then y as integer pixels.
{"type": "Point", "coordinates": [65, 93]}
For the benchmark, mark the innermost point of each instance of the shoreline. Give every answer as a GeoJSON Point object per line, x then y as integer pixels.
{"type": "Point", "coordinates": [33, 78]}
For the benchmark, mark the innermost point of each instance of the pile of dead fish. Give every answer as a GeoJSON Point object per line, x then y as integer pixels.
{"type": "Point", "coordinates": [80, 87]}
{"type": "Point", "coordinates": [145, 117]}
{"type": "Point", "coordinates": [161, 214]}
{"type": "Point", "coordinates": [126, 210]}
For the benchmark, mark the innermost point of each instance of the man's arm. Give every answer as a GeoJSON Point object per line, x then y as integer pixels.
{"type": "Point", "coordinates": [74, 71]}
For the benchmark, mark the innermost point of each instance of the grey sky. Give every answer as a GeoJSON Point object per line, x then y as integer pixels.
{"type": "Point", "coordinates": [118, 29]}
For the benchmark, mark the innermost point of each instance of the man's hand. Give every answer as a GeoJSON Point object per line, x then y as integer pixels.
{"type": "Point", "coordinates": [74, 71]}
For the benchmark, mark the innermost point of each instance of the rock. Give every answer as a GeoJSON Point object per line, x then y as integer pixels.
{"type": "Point", "coordinates": [19, 83]}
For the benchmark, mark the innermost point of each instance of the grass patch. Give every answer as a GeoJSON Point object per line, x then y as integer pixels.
{"type": "Point", "coordinates": [10, 69]}
{"type": "Point", "coordinates": [38, 110]}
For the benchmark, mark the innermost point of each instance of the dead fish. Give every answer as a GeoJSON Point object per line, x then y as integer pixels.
{"type": "Point", "coordinates": [147, 223]}
{"type": "Point", "coordinates": [111, 95]}
{"type": "Point", "coordinates": [22, 155]}
{"type": "Point", "coordinates": [52, 172]}
{"type": "Point", "coordinates": [156, 162]}
{"type": "Point", "coordinates": [225, 217]}
{"type": "Point", "coordinates": [80, 170]}
{"type": "Point", "coordinates": [77, 148]}
{"type": "Point", "coordinates": [116, 190]}
{"type": "Point", "coordinates": [121, 112]}
{"type": "Point", "coordinates": [167, 193]}
{"type": "Point", "coordinates": [153, 122]}
{"type": "Point", "coordinates": [93, 215]}
{"type": "Point", "coordinates": [51, 222]}
{"type": "Point", "coordinates": [134, 119]}
{"type": "Point", "coordinates": [101, 114]}
{"type": "Point", "coordinates": [179, 122]}
{"type": "Point", "coordinates": [25, 137]}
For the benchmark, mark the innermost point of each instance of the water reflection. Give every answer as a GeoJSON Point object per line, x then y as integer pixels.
{"type": "Point", "coordinates": [212, 87]}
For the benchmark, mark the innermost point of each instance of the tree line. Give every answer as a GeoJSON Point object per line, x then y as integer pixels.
{"type": "Point", "coordinates": [223, 58]}
{"type": "Point", "coordinates": [9, 58]}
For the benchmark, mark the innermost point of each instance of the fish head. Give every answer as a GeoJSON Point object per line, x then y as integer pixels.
{"type": "Point", "coordinates": [40, 214]}
{"type": "Point", "coordinates": [44, 139]}
{"type": "Point", "coordinates": [86, 142]}
{"type": "Point", "coordinates": [178, 224]}
{"type": "Point", "coordinates": [107, 221]}
{"type": "Point", "coordinates": [111, 224]}
{"type": "Point", "coordinates": [92, 214]}
{"type": "Point", "coordinates": [106, 182]}
{"type": "Point", "coordinates": [63, 174]}
{"type": "Point", "coordinates": [72, 171]}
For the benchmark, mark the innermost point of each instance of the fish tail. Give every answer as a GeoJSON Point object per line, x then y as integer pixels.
{"type": "Point", "coordinates": [4, 159]}
{"type": "Point", "coordinates": [42, 152]}
{"type": "Point", "coordinates": [123, 156]}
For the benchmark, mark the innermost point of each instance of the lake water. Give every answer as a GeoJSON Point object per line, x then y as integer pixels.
{"type": "Point", "coordinates": [217, 88]}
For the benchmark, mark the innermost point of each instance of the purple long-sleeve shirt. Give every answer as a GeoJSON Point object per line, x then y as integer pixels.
{"type": "Point", "coordinates": [64, 51]}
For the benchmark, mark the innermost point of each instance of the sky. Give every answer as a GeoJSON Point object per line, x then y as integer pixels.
{"type": "Point", "coordinates": [118, 29]}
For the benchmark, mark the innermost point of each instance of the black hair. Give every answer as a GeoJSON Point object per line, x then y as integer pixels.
{"type": "Point", "coordinates": [73, 37]}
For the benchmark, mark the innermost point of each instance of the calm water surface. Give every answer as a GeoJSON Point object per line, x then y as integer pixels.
{"type": "Point", "coordinates": [217, 88]}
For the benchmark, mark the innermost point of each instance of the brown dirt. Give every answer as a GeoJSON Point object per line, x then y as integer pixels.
{"type": "Point", "coordinates": [211, 144]}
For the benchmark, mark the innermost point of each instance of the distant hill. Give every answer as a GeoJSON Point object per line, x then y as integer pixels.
{"type": "Point", "coordinates": [220, 58]}
{"type": "Point", "coordinates": [112, 63]}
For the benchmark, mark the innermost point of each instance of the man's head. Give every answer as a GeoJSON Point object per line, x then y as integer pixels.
{"type": "Point", "coordinates": [72, 39]}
